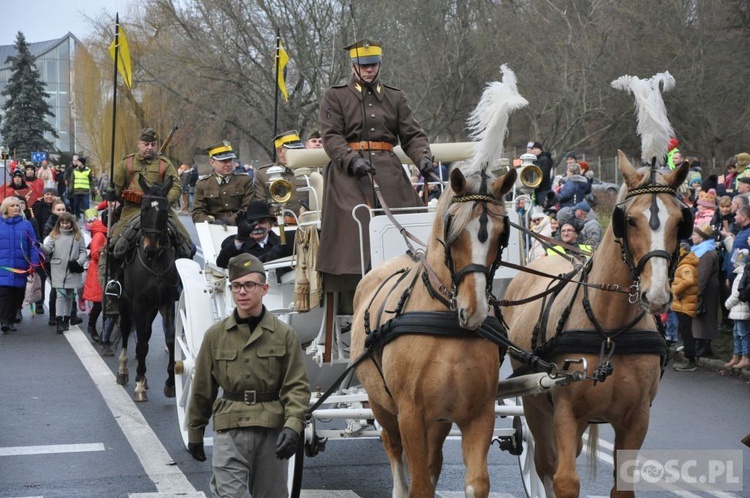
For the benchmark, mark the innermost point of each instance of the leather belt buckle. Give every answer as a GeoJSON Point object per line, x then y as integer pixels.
{"type": "Point", "coordinates": [250, 397]}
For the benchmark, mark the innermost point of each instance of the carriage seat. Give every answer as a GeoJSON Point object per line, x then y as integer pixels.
{"type": "Point", "coordinates": [315, 193]}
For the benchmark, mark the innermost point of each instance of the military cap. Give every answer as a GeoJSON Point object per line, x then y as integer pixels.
{"type": "Point", "coordinates": [365, 51]}
{"type": "Point", "coordinates": [289, 140]}
{"type": "Point", "coordinates": [221, 151]}
{"type": "Point", "coordinates": [148, 135]}
{"type": "Point", "coordinates": [244, 263]}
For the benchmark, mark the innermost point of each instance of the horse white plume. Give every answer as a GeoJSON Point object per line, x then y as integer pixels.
{"type": "Point", "coordinates": [489, 121]}
{"type": "Point", "coordinates": [653, 124]}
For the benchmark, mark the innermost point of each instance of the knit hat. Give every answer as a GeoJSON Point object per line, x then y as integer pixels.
{"type": "Point", "coordinates": [743, 159]}
{"type": "Point", "coordinates": [705, 230]}
{"type": "Point", "coordinates": [91, 214]}
{"type": "Point", "coordinates": [707, 199]}
{"type": "Point", "coordinates": [684, 249]}
{"type": "Point", "coordinates": [583, 206]}
{"type": "Point", "coordinates": [672, 144]}
{"type": "Point", "coordinates": [243, 264]}
{"type": "Point", "coordinates": [50, 190]}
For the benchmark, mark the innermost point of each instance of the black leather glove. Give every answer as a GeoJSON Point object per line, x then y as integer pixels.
{"type": "Point", "coordinates": [425, 166]}
{"type": "Point", "coordinates": [244, 229]}
{"type": "Point", "coordinates": [286, 444]}
{"type": "Point", "coordinates": [74, 266]}
{"type": "Point", "coordinates": [361, 166]}
{"type": "Point", "coordinates": [110, 196]}
{"type": "Point", "coordinates": [196, 449]}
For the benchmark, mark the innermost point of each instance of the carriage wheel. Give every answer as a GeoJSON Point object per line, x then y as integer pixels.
{"type": "Point", "coordinates": [183, 375]}
{"type": "Point", "coordinates": [294, 470]}
{"type": "Point", "coordinates": [532, 484]}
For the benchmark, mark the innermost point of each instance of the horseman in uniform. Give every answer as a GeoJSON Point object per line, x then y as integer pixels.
{"type": "Point", "coordinates": [220, 195]}
{"type": "Point", "coordinates": [281, 142]}
{"type": "Point", "coordinates": [361, 122]}
{"type": "Point", "coordinates": [155, 169]}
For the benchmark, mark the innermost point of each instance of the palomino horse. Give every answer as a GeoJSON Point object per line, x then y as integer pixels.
{"type": "Point", "coordinates": [636, 253]}
{"type": "Point", "coordinates": [418, 384]}
{"type": "Point", "coordinates": [150, 281]}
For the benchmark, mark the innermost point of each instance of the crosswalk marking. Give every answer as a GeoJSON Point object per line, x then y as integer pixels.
{"type": "Point", "coordinates": [49, 449]}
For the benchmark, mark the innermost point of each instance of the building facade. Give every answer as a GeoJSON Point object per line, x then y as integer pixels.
{"type": "Point", "coordinates": [54, 59]}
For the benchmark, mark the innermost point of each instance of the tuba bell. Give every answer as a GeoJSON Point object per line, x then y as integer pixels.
{"type": "Point", "coordinates": [279, 189]}
{"type": "Point", "coordinates": [529, 174]}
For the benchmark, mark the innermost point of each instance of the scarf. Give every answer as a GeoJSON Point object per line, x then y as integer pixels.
{"type": "Point", "coordinates": [704, 247]}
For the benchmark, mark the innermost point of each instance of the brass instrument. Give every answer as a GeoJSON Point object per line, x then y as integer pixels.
{"type": "Point", "coordinates": [280, 192]}
{"type": "Point", "coordinates": [529, 174]}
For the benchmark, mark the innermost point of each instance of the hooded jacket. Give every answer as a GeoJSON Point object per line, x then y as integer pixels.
{"type": "Point", "coordinates": [17, 240]}
{"type": "Point", "coordinates": [92, 289]}
{"type": "Point", "coordinates": [738, 310]}
{"type": "Point", "coordinates": [573, 191]}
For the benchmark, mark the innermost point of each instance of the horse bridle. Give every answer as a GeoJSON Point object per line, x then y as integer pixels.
{"type": "Point", "coordinates": [619, 228]}
{"type": "Point", "coordinates": [489, 271]}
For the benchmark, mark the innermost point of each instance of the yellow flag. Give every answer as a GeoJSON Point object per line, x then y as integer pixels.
{"type": "Point", "coordinates": [123, 57]}
{"type": "Point", "coordinates": [281, 59]}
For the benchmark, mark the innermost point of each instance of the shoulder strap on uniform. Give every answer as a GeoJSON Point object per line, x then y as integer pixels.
{"type": "Point", "coordinates": [162, 169]}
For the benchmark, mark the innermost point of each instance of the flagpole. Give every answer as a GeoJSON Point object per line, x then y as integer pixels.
{"type": "Point", "coordinates": [111, 187]}
{"type": "Point", "coordinates": [276, 91]}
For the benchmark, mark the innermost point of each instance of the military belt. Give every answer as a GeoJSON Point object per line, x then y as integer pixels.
{"type": "Point", "coordinates": [251, 396]}
{"type": "Point", "coordinates": [371, 146]}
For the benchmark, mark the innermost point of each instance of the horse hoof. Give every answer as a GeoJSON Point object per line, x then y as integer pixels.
{"type": "Point", "coordinates": [169, 392]}
{"type": "Point", "coordinates": [123, 379]}
{"type": "Point", "coordinates": [140, 397]}
{"type": "Point", "coordinates": [145, 383]}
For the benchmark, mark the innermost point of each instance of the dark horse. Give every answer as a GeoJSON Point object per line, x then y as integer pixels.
{"type": "Point", "coordinates": [149, 286]}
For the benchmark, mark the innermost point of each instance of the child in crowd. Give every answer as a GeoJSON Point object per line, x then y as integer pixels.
{"type": "Point", "coordinates": [685, 303]}
{"type": "Point", "coordinates": [706, 208]}
{"type": "Point", "coordinates": [739, 311]}
{"type": "Point", "coordinates": [66, 252]}
{"type": "Point", "coordinates": [92, 290]}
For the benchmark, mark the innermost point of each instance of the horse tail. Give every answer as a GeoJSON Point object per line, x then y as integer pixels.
{"type": "Point", "coordinates": [593, 448]}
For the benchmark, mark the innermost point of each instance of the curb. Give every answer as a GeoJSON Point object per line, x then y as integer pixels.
{"type": "Point", "coordinates": [715, 365]}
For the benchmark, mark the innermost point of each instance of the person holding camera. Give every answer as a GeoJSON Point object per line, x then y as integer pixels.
{"type": "Point", "coordinates": [258, 362]}
{"type": "Point", "coordinates": [65, 248]}
{"type": "Point", "coordinates": [255, 236]}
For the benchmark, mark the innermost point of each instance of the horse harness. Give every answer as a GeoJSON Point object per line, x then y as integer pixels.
{"type": "Point", "coordinates": [601, 341]}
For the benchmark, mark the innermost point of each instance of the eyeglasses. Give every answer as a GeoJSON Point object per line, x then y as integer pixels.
{"type": "Point", "coordinates": [247, 286]}
{"type": "Point", "coordinates": [567, 230]}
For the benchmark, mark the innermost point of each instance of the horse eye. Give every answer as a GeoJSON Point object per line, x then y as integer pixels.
{"type": "Point", "coordinates": [631, 222]}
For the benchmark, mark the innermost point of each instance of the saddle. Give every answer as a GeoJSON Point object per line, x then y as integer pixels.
{"type": "Point", "coordinates": [126, 243]}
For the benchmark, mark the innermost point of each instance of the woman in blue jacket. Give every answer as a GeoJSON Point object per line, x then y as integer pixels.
{"type": "Point", "coordinates": [575, 188]}
{"type": "Point", "coordinates": [18, 256]}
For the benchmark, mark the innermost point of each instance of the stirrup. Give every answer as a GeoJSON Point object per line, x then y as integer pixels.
{"type": "Point", "coordinates": [113, 289]}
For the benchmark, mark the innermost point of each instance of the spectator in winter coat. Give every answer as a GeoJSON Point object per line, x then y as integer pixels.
{"type": "Point", "coordinates": [92, 290]}
{"type": "Point", "coordinates": [47, 175]}
{"type": "Point", "coordinates": [574, 188]}
{"type": "Point", "coordinates": [42, 212]}
{"type": "Point", "coordinates": [739, 311]}
{"type": "Point", "coordinates": [706, 207]}
{"type": "Point", "coordinates": [18, 256]}
{"type": "Point", "coordinates": [705, 326]}
{"type": "Point", "coordinates": [36, 184]}
{"type": "Point", "coordinates": [66, 250]}
{"type": "Point", "coordinates": [685, 303]}
{"type": "Point", "coordinates": [544, 161]}
{"type": "Point", "coordinates": [591, 233]}
{"type": "Point", "coordinates": [540, 224]}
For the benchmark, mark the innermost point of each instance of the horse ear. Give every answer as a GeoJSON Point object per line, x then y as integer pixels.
{"type": "Point", "coordinates": [503, 184]}
{"type": "Point", "coordinates": [631, 176]}
{"type": "Point", "coordinates": [458, 182]}
{"type": "Point", "coordinates": [144, 185]}
{"type": "Point", "coordinates": [677, 176]}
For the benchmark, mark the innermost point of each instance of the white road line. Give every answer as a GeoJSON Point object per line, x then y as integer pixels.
{"type": "Point", "coordinates": [460, 494]}
{"type": "Point", "coordinates": [155, 459]}
{"type": "Point", "coordinates": [50, 448]}
{"type": "Point", "coordinates": [327, 493]}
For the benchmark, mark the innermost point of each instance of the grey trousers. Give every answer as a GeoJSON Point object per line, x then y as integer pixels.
{"type": "Point", "coordinates": [64, 302]}
{"type": "Point", "coordinates": [245, 464]}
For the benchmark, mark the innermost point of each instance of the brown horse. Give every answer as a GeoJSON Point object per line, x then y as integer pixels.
{"type": "Point", "coordinates": [636, 254]}
{"type": "Point", "coordinates": [418, 384]}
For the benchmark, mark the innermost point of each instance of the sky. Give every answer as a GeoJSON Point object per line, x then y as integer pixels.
{"type": "Point", "coordinates": [41, 20]}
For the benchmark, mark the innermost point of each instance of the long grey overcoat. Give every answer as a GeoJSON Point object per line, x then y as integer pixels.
{"type": "Point", "coordinates": [705, 327]}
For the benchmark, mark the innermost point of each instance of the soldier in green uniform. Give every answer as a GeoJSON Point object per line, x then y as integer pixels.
{"type": "Point", "coordinates": [361, 122]}
{"type": "Point", "coordinates": [257, 361]}
{"type": "Point", "coordinates": [220, 195]}
{"type": "Point", "coordinates": [283, 141]}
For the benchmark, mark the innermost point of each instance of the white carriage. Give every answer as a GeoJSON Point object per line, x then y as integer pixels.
{"type": "Point", "coordinates": [206, 299]}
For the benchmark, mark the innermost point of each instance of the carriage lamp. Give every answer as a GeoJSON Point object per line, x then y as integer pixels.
{"type": "Point", "coordinates": [279, 191]}
{"type": "Point", "coordinates": [529, 174]}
